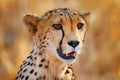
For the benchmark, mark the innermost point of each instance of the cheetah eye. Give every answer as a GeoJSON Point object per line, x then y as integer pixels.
{"type": "Point", "coordinates": [80, 25]}
{"type": "Point", "coordinates": [57, 26]}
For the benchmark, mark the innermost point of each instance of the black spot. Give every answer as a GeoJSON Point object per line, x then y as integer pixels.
{"type": "Point", "coordinates": [61, 14]}
{"type": "Point", "coordinates": [47, 38]}
{"type": "Point", "coordinates": [31, 64]}
{"type": "Point", "coordinates": [35, 73]}
{"type": "Point", "coordinates": [45, 14]}
{"type": "Point", "coordinates": [73, 75]}
{"type": "Point", "coordinates": [22, 77]}
{"type": "Point", "coordinates": [70, 68]}
{"type": "Point", "coordinates": [65, 9]}
{"type": "Point", "coordinates": [18, 72]}
{"type": "Point", "coordinates": [28, 63]}
{"type": "Point", "coordinates": [37, 79]}
{"type": "Point", "coordinates": [40, 40]}
{"type": "Point", "coordinates": [31, 71]}
{"type": "Point", "coordinates": [24, 63]}
{"type": "Point", "coordinates": [48, 62]}
{"type": "Point", "coordinates": [42, 60]}
{"type": "Point", "coordinates": [27, 77]}
{"type": "Point", "coordinates": [39, 53]}
{"type": "Point", "coordinates": [40, 65]}
{"type": "Point", "coordinates": [44, 37]}
{"type": "Point", "coordinates": [35, 58]}
{"type": "Point", "coordinates": [25, 70]}
{"type": "Point", "coordinates": [32, 51]}
{"type": "Point", "coordinates": [39, 36]}
{"type": "Point", "coordinates": [44, 46]}
{"type": "Point", "coordinates": [34, 30]}
{"type": "Point", "coordinates": [43, 49]}
{"type": "Point", "coordinates": [40, 77]}
{"type": "Point", "coordinates": [46, 32]}
{"type": "Point", "coordinates": [50, 11]}
{"type": "Point", "coordinates": [16, 78]}
{"type": "Point", "coordinates": [63, 68]}
{"type": "Point", "coordinates": [55, 11]}
{"type": "Point", "coordinates": [21, 69]}
{"type": "Point", "coordinates": [44, 77]}
{"type": "Point", "coordinates": [35, 53]}
{"type": "Point", "coordinates": [67, 72]}
{"type": "Point", "coordinates": [40, 47]}
{"type": "Point", "coordinates": [74, 14]}
{"type": "Point", "coordinates": [46, 66]}
{"type": "Point", "coordinates": [56, 78]}
{"type": "Point", "coordinates": [20, 66]}
{"type": "Point", "coordinates": [43, 42]}
{"type": "Point", "coordinates": [83, 40]}
{"type": "Point", "coordinates": [34, 64]}
{"type": "Point", "coordinates": [29, 57]}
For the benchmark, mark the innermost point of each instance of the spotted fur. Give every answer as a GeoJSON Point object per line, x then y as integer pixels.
{"type": "Point", "coordinates": [48, 59]}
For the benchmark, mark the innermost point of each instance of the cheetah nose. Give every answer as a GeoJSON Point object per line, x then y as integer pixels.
{"type": "Point", "coordinates": [73, 43]}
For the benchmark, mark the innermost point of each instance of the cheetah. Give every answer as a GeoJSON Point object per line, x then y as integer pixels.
{"type": "Point", "coordinates": [58, 37]}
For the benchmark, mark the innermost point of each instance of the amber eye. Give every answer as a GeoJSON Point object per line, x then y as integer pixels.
{"type": "Point", "coordinates": [80, 25]}
{"type": "Point", "coordinates": [57, 26]}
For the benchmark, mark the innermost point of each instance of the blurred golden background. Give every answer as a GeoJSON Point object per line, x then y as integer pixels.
{"type": "Point", "coordinates": [101, 58]}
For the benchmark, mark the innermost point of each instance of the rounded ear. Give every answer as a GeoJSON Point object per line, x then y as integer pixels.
{"type": "Point", "coordinates": [31, 21]}
{"type": "Point", "coordinates": [86, 16]}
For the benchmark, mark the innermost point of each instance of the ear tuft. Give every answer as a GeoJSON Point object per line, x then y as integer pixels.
{"type": "Point", "coordinates": [86, 16]}
{"type": "Point", "coordinates": [31, 21]}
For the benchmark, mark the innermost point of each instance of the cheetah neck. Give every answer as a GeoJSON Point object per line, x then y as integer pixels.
{"type": "Point", "coordinates": [50, 66]}
{"type": "Point", "coordinates": [40, 65]}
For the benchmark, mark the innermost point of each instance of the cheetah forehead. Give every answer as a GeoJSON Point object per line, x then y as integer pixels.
{"type": "Point", "coordinates": [62, 11]}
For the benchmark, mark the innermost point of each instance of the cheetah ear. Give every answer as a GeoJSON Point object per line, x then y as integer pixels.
{"type": "Point", "coordinates": [86, 16]}
{"type": "Point", "coordinates": [31, 21]}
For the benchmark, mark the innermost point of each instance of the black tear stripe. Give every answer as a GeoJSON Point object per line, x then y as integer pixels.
{"type": "Point", "coordinates": [63, 34]}
{"type": "Point", "coordinates": [59, 50]}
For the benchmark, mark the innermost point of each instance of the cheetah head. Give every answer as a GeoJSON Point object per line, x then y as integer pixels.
{"type": "Point", "coordinates": [62, 29]}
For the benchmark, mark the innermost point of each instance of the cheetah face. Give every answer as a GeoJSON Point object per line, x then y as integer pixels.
{"type": "Point", "coordinates": [64, 28]}
{"type": "Point", "coordinates": [69, 44]}
{"type": "Point", "coordinates": [67, 37]}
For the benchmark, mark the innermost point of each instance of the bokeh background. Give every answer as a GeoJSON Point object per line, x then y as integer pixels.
{"type": "Point", "coordinates": [100, 59]}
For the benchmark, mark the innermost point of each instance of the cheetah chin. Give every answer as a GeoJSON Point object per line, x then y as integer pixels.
{"type": "Point", "coordinates": [67, 56]}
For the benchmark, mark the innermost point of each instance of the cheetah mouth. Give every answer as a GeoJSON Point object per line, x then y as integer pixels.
{"type": "Point", "coordinates": [70, 55]}
{"type": "Point", "coordinates": [73, 53]}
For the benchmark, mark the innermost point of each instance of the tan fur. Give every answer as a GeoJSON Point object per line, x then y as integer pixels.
{"type": "Point", "coordinates": [45, 62]}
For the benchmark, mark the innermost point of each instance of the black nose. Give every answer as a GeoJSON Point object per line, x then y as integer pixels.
{"type": "Point", "coordinates": [73, 43]}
